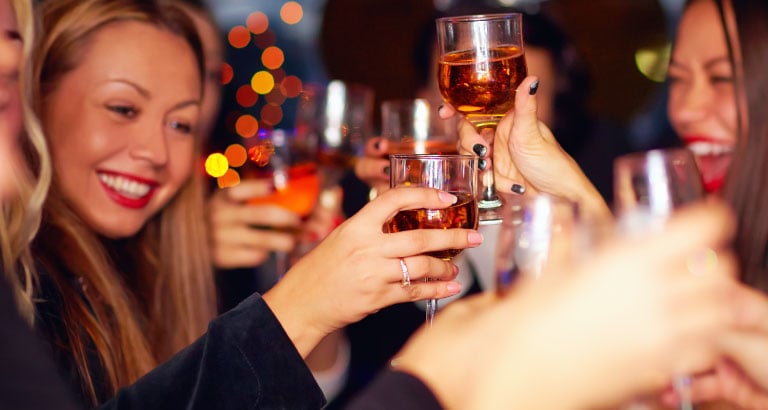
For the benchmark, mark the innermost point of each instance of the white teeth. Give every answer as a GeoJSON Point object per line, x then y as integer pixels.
{"type": "Point", "coordinates": [708, 148]}
{"type": "Point", "coordinates": [125, 186]}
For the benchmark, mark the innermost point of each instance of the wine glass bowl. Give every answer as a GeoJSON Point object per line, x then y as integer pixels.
{"type": "Point", "coordinates": [409, 128]}
{"type": "Point", "coordinates": [481, 64]}
{"type": "Point", "coordinates": [536, 232]}
{"type": "Point", "coordinates": [456, 174]}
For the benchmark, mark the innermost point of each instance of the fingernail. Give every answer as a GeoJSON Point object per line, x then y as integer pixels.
{"type": "Point", "coordinates": [453, 288]}
{"type": "Point", "coordinates": [534, 87]}
{"type": "Point", "coordinates": [446, 197]}
{"type": "Point", "coordinates": [386, 170]}
{"type": "Point", "coordinates": [440, 108]}
{"type": "Point", "coordinates": [475, 238]}
{"type": "Point", "coordinates": [482, 164]}
{"type": "Point", "coordinates": [455, 271]}
{"type": "Point", "coordinates": [518, 189]}
{"type": "Point", "coordinates": [480, 149]}
{"type": "Point", "coordinates": [376, 145]}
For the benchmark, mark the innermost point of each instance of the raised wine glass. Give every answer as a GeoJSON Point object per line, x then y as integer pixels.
{"type": "Point", "coordinates": [456, 174]}
{"type": "Point", "coordinates": [291, 169]}
{"type": "Point", "coordinates": [408, 127]}
{"type": "Point", "coordinates": [481, 64]}
{"type": "Point", "coordinates": [648, 187]}
{"type": "Point", "coordinates": [536, 232]}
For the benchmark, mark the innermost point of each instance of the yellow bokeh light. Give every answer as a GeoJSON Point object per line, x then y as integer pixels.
{"type": "Point", "coordinates": [216, 164]}
{"type": "Point", "coordinates": [272, 57]}
{"type": "Point", "coordinates": [262, 82]}
{"type": "Point", "coordinates": [257, 22]}
{"type": "Point", "coordinates": [239, 37]}
{"type": "Point", "coordinates": [229, 179]}
{"type": "Point", "coordinates": [247, 126]}
{"type": "Point", "coordinates": [291, 12]}
{"type": "Point", "coordinates": [236, 155]}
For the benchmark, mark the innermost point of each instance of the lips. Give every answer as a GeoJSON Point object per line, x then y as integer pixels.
{"type": "Point", "coordinates": [713, 157]}
{"type": "Point", "coordinates": [128, 191]}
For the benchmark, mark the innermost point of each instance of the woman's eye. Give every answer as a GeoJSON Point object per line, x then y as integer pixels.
{"type": "Point", "coordinates": [721, 79]}
{"type": "Point", "coordinates": [183, 127]}
{"type": "Point", "coordinates": [124, 110]}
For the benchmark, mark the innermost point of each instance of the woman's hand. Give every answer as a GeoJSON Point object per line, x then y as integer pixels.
{"type": "Point", "coordinates": [243, 234]}
{"type": "Point", "coordinates": [740, 378]}
{"type": "Point", "coordinates": [356, 270]}
{"type": "Point", "coordinates": [526, 156]}
{"type": "Point", "coordinates": [589, 336]}
{"type": "Point", "coordinates": [373, 167]}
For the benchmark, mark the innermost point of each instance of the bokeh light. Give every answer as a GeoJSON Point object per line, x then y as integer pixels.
{"type": "Point", "coordinates": [272, 57]}
{"type": "Point", "coordinates": [236, 155]}
{"type": "Point", "coordinates": [227, 73]}
{"type": "Point", "coordinates": [262, 82]}
{"type": "Point", "coordinates": [247, 126]}
{"type": "Point", "coordinates": [239, 37]}
{"type": "Point", "coordinates": [229, 179]}
{"type": "Point", "coordinates": [266, 39]}
{"type": "Point", "coordinates": [291, 86]}
{"type": "Point", "coordinates": [245, 96]}
{"type": "Point", "coordinates": [271, 114]}
{"type": "Point", "coordinates": [291, 12]}
{"type": "Point", "coordinates": [276, 97]}
{"type": "Point", "coordinates": [216, 164]}
{"type": "Point", "coordinates": [257, 22]}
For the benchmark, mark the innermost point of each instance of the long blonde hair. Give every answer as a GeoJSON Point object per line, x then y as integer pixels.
{"type": "Point", "coordinates": [135, 301]}
{"type": "Point", "coordinates": [21, 217]}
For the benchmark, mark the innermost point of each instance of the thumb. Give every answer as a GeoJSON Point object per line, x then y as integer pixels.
{"type": "Point", "coordinates": [525, 126]}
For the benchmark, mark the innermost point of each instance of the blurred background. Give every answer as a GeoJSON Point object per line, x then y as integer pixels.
{"type": "Point", "coordinates": [276, 48]}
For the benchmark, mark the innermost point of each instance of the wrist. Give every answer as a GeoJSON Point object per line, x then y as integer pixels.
{"type": "Point", "coordinates": [297, 322]}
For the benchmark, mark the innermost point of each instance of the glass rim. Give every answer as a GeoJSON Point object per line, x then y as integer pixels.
{"type": "Point", "coordinates": [666, 152]}
{"type": "Point", "coordinates": [433, 156]}
{"type": "Point", "coordinates": [480, 17]}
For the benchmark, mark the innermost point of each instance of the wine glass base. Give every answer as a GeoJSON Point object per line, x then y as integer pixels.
{"type": "Point", "coordinates": [490, 216]}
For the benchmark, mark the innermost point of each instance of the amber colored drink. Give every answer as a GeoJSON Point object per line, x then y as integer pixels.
{"type": "Point", "coordinates": [482, 87]}
{"type": "Point", "coordinates": [409, 146]}
{"type": "Point", "coordinates": [462, 214]}
{"type": "Point", "coordinates": [297, 192]}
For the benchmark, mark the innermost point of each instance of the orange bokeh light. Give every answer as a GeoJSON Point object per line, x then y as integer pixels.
{"type": "Point", "coordinates": [272, 57]}
{"type": "Point", "coordinates": [262, 82]}
{"type": "Point", "coordinates": [257, 22]}
{"type": "Point", "coordinates": [229, 179]}
{"type": "Point", "coordinates": [239, 37]}
{"type": "Point", "coordinates": [247, 126]}
{"type": "Point", "coordinates": [271, 114]}
{"type": "Point", "coordinates": [291, 86]}
{"type": "Point", "coordinates": [236, 155]}
{"type": "Point", "coordinates": [245, 96]}
{"type": "Point", "coordinates": [291, 12]}
{"type": "Point", "coordinates": [227, 73]}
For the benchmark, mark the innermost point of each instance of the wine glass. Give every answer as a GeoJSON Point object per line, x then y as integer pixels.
{"type": "Point", "coordinates": [481, 64]}
{"type": "Point", "coordinates": [536, 232]}
{"type": "Point", "coordinates": [290, 166]}
{"type": "Point", "coordinates": [648, 187]}
{"type": "Point", "coordinates": [454, 173]}
{"type": "Point", "coordinates": [336, 119]}
{"type": "Point", "coordinates": [407, 126]}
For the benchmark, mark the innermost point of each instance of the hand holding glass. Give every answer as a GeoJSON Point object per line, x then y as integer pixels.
{"type": "Point", "coordinates": [456, 174]}
{"type": "Point", "coordinates": [481, 64]}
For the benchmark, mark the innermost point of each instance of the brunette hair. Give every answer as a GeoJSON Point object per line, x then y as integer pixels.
{"type": "Point", "coordinates": [745, 23]}
{"type": "Point", "coordinates": [133, 302]}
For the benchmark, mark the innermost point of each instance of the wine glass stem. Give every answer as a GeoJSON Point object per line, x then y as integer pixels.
{"type": "Point", "coordinates": [489, 203]}
{"type": "Point", "coordinates": [431, 309]}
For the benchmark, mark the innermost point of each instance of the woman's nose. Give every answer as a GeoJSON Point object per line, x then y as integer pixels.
{"type": "Point", "coordinates": [152, 146]}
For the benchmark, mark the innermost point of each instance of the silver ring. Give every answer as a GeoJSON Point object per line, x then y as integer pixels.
{"type": "Point", "coordinates": [406, 282]}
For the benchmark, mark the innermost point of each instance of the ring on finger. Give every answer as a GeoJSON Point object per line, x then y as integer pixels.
{"type": "Point", "coordinates": [406, 282]}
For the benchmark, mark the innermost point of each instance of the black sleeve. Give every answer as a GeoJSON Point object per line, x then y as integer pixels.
{"type": "Point", "coordinates": [28, 376]}
{"type": "Point", "coordinates": [244, 361]}
{"type": "Point", "coordinates": [395, 390]}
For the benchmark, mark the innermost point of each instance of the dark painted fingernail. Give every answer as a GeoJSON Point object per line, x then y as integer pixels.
{"type": "Point", "coordinates": [480, 149]}
{"type": "Point", "coordinates": [440, 108]}
{"type": "Point", "coordinates": [518, 189]}
{"type": "Point", "coordinates": [534, 87]}
{"type": "Point", "coordinates": [482, 164]}
{"type": "Point", "coordinates": [386, 170]}
{"type": "Point", "coordinates": [376, 145]}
